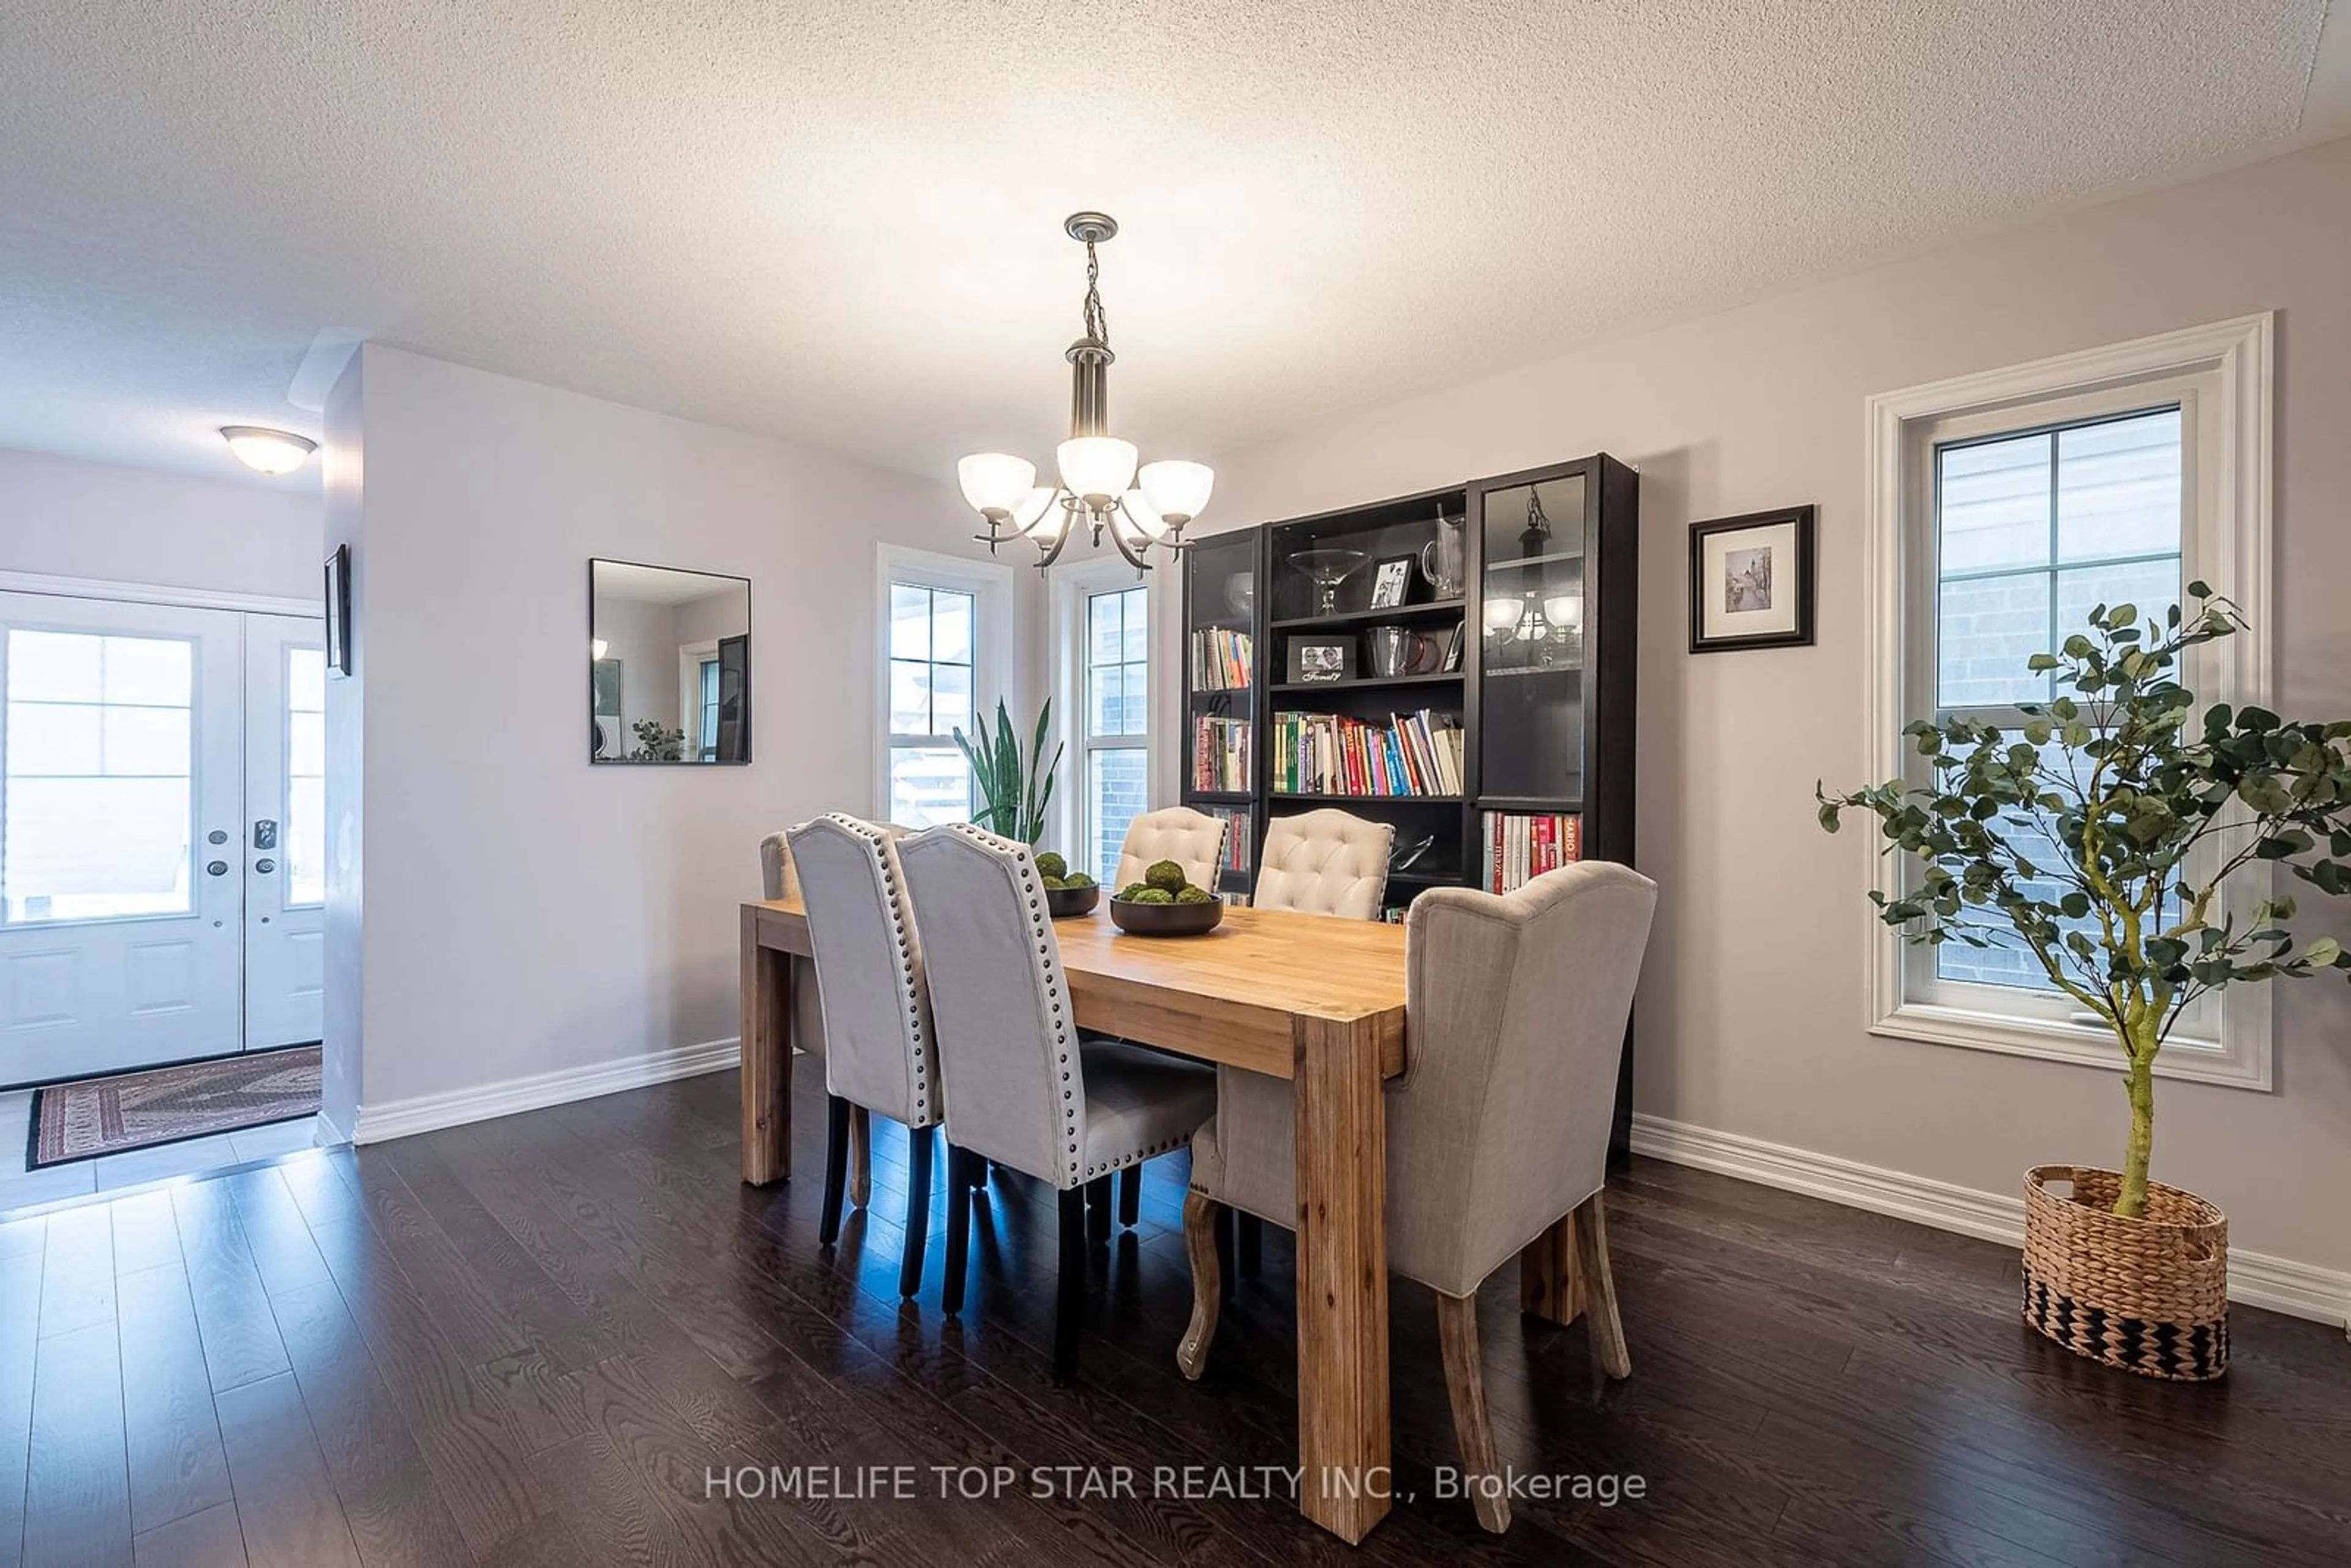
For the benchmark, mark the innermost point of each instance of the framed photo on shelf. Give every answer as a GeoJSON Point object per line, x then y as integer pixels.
{"type": "Point", "coordinates": [1751, 581]}
{"type": "Point", "coordinates": [1315, 660]}
{"type": "Point", "coordinates": [1391, 582]}
{"type": "Point", "coordinates": [339, 611]}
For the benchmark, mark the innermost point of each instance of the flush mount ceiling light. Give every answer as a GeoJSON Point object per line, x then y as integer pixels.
{"type": "Point", "coordinates": [268, 450]}
{"type": "Point", "coordinates": [1100, 484]}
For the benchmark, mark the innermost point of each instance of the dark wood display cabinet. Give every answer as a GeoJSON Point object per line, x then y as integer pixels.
{"type": "Point", "coordinates": [1458, 663]}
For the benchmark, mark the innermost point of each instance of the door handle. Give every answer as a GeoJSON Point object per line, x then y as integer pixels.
{"type": "Point", "coordinates": [265, 833]}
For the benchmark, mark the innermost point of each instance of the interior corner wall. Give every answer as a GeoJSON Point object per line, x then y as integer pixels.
{"type": "Point", "coordinates": [343, 469]}
{"type": "Point", "coordinates": [1752, 1005]}
{"type": "Point", "coordinates": [528, 912]}
{"type": "Point", "coordinates": [68, 516]}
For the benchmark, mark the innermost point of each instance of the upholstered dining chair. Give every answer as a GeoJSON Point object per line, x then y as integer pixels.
{"type": "Point", "coordinates": [1024, 1088]}
{"type": "Point", "coordinates": [778, 878]}
{"type": "Point", "coordinates": [880, 1055]}
{"type": "Point", "coordinates": [1192, 840]}
{"type": "Point", "coordinates": [1326, 862]}
{"type": "Point", "coordinates": [1515, 1013]}
{"type": "Point", "coordinates": [1195, 841]}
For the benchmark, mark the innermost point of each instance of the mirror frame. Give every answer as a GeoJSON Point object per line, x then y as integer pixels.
{"type": "Point", "coordinates": [750, 738]}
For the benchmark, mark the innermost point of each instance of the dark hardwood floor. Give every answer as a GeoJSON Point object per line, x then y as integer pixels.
{"type": "Point", "coordinates": [528, 1341]}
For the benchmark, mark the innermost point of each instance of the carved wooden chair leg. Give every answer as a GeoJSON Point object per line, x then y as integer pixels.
{"type": "Point", "coordinates": [1456, 1327]}
{"type": "Point", "coordinates": [1600, 1289]}
{"type": "Point", "coordinates": [1069, 1291]}
{"type": "Point", "coordinates": [920, 1142]}
{"type": "Point", "coordinates": [836, 1167]}
{"type": "Point", "coordinates": [861, 1156]}
{"type": "Point", "coordinates": [960, 1196]}
{"type": "Point", "coordinates": [1130, 1196]}
{"type": "Point", "coordinates": [1201, 1213]}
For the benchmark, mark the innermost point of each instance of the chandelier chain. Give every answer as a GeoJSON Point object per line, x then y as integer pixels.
{"type": "Point", "coordinates": [1097, 319]}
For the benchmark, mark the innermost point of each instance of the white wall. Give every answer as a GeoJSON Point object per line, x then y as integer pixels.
{"type": "Point", "coordinates": [526, 913]}
{"type": "Point", "coordinates": [66, 517]}
{"type": "Point", "coordinates": [1752, 1003]}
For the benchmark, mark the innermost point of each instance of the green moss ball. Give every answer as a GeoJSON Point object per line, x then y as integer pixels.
{"type": "Point", "coordinates": [1126, 894]}
{"type": "Point", "coordinates": [1152, 896]}
{"type": "Point", "coordinates": [1077, 879]}
{"type": "Point", "coordinates": [1196, 895]}
{"type": "Point", "coordinates": [1167, 876]}
{"type": "Point", "coordinates": [1052, 867]}
{"type": "Point", "coordinates": [1054, 882]}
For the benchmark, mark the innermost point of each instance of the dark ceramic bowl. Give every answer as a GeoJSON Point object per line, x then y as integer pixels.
{"type": "Point", "coordinates": [1065, 902]}
{"type": "Point", "coordinates": [1166, 919]}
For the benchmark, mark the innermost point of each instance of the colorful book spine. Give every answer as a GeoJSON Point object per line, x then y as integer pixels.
{"type": "Point", "coordinates": [1221, 659]}
{"type": "Point", "coordinates": [1522, 845]}
{"type": "Point", "coordinates": [1332, 754]}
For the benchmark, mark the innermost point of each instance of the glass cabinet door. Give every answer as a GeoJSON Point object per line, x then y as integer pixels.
{"type": "Point", "coordinates": [1534, 578]}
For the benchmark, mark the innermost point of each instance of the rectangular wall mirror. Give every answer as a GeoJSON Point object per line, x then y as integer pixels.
{"type": "Point", "coordinates": [669, 672]}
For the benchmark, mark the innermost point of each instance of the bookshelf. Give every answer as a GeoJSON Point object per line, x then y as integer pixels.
{"type": "Point", "coordinates": [1542, 569]}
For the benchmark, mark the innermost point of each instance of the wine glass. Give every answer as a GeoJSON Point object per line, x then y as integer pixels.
{"type": "Point", "coordinates": [1329, 569]}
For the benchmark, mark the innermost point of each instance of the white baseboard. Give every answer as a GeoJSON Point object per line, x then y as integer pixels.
{"type": "Point", "coordinates": [2256, 1279]}
{"type": "Point", "coordinates": [428, 1113]}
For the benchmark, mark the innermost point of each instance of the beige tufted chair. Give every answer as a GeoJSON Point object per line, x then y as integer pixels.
{"type": "Point", "coordinates": [1024, 1088]}
{"type": "Point", "coordinates": [1192, 840]}
{"type": "Point", "coordinates": [779, 879]}
{"type": "Point", "coordinates": [1325, 862]}
{"type": "Point", "coordinates": [1515, 1013]}
{"type": "Point", "coordinates": [877, 1011]}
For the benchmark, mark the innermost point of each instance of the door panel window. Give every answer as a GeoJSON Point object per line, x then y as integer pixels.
{"type": "Point", "coordinates": [305, 836]}
{"type": "Point", "coordinates": [95, 778]}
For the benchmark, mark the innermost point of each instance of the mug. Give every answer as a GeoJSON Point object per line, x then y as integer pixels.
{"type": "Point", "coordinates": [1400, 651]}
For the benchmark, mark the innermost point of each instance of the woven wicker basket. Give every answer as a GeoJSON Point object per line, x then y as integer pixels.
{"type": "Point", "coordinates": [2149, 1295]}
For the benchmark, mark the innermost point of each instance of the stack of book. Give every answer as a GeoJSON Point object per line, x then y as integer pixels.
{"type": "Point", "coordinates": [1240, 827]}
{"type": "Point", "coordinates": [1220, 753]}
{"type": "Point", "coordinates": [1522, 845]}
{"type": "Point", "coordinates": [1331, 754]}
{"type": "Point", "coordinates": [1221, 659]}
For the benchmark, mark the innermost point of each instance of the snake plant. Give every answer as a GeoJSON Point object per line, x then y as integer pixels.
{"type": "Point", "coordinates": [1014, 789]}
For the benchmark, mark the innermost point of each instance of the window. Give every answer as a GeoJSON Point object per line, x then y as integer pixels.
{"type": "Point", "coordinates": [1115, 762]}
{"type": "Point", "coordinates": [2005, 507]}
{"type": "Point", "coordinates": [305, 837]}
{"type": "Point", "coordinates": [942, 622]}
{"type": "Point", "coordinates": [99, 752]}
{"type": "Point", "coordinates": [705, 708]}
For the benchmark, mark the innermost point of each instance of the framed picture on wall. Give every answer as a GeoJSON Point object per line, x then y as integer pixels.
{"type": "Point", "coordinates": [339, 611]}
{"type": "Point", "coordinates": [1751, 581]}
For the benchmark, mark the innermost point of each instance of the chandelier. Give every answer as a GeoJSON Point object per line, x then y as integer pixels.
{"type": "Point", "coordinates": [1101, 488]}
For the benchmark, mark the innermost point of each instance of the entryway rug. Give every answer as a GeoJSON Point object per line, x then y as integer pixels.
{"type": "Point", "coordinates": [126, 1111]}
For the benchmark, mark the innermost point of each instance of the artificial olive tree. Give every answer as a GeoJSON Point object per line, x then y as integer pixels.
{"type": "Point", "coordinates": [2151, 812]}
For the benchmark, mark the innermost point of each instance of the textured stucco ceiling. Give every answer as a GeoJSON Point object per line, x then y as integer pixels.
{"type": "Point", "coordinates": [840, 222]}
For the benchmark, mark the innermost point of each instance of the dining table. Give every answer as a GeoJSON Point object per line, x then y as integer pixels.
{"type": "Point", "coordinates": [1312, 998]}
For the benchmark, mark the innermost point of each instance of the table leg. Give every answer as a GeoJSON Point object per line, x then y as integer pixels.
{"type": "Point", "coordinates": [1551, 1285]}
{"type": "Point", "coordinates": [767, 1000]}
{"type": "Point", "coordinates": [1343, 1285]}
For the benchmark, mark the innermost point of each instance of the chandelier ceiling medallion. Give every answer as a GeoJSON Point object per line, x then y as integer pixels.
{"type": "Point", "coordinates": [1100, 486]}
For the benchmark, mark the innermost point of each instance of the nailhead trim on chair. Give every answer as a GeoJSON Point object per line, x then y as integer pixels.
{"type": "Point", "coordinates": [894, 893]}
{"type": "Point", "coordinates": [1041, 929]}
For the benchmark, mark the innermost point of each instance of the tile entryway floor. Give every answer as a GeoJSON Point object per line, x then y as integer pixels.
{"type": "Point", "coordinates": [20, 1188]}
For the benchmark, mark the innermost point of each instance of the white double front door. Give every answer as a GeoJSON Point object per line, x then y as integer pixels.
{"type": "Point", "coordinates": [163, 833]}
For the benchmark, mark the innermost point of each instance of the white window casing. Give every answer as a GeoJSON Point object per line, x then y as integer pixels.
{"type": "Point", "coordinates": [2221, 377]}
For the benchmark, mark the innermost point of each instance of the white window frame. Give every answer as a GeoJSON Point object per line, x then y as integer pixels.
{"type": "Point", "coordinates": [2221, 375]}
{"type": "Point", "coordinates": [1073, 584]}
{"type": "Point", "coordinates": [991, 586]}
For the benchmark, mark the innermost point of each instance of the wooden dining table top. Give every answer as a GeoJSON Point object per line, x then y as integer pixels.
{"type": "Point", "coordinates": [1230, 995]}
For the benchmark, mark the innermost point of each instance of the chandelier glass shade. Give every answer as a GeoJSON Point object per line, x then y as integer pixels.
{"type": "Point", "coordinates": [1101, 482]}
